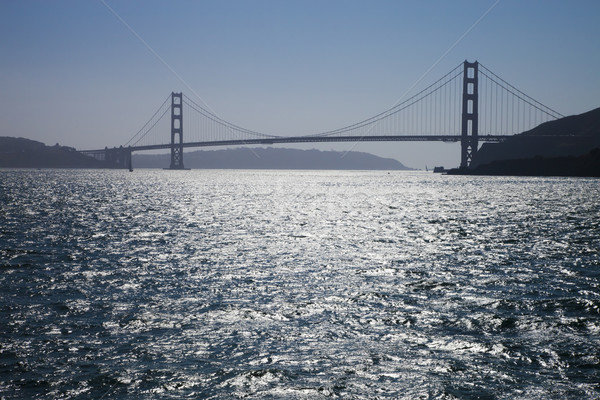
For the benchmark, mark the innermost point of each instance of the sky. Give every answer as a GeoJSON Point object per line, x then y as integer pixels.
{"type": "Point", "coordinates": [72, 72]}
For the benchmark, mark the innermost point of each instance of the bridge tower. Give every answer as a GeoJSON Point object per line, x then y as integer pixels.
{"type": "Point", "coordinates": [470, 115]}
{"type": "Point", "coordinates": [176, 131]}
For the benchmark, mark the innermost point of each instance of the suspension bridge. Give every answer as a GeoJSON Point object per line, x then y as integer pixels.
{"type": "Point", "coordinates": [470, 104]}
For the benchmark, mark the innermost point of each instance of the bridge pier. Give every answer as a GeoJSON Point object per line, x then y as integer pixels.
{"type": "Point", "coordinates": [469, 140]}
{"type": "Point", "coordinates": [118, 157]}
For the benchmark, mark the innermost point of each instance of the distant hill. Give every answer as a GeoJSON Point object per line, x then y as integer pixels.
{"type": "Point", "coordinates": [26, 153]}
{"type": "Point", "coordinates": [272, 158]}
{"type": "Point", "coordinates": [583, 132]}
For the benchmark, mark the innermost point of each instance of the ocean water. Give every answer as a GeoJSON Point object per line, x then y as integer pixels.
{"type": "Point", "coordinates": [297, 285]}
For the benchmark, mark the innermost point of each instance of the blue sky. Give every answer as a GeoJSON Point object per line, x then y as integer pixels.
{"type": "Point", "coordinates": [72, 73]}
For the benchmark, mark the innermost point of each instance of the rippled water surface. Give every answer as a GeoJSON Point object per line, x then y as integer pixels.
{"type": "Point", "coordinates": [300, 285]}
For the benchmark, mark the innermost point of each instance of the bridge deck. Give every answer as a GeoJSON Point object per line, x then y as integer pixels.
{"type": "Point", "coordinates": [314, 139]}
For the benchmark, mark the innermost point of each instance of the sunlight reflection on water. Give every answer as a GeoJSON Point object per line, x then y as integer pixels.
{"type": "Point", "coordinates": [298, 284]}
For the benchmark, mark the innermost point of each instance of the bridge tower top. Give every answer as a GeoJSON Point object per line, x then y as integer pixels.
{"type": "Point", "coordinates": [470, 113]}
{"type": "Point", "coordinates": [176, 131]}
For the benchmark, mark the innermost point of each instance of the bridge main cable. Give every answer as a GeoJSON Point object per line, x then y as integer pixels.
{"type": "Point", "coordinates": [449, 77]}
{"type": "Point", "coordinates": [148, 122]}
{"type": "Point", "coordinates": [519, 94]}
{"type": "Point", "coordinates": [396, 108]}
{"type": "Point", "coordinates": [213, 117]}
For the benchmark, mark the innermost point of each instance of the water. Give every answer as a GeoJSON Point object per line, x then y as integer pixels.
{"type": "Point", "coordinates": [297, 284]}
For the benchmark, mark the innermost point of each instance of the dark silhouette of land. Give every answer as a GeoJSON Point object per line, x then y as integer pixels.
{"type": "Point", "coordinates": [26, 153]}
{"type": "Point", "coordinates": [586, 165]}
{"type": "Point", "coordinates": [273, 158]}
{"type": "Point", "coordinates": [564, 147]}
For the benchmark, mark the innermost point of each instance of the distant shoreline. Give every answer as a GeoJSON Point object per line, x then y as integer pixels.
{"type": "Point", "coordinates": [26, 153]}
{"type": "Point", "coordinates": [273, 158]}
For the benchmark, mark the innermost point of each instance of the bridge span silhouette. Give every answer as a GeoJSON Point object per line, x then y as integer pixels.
{"type": "Point", "coordinates": [470, 104]}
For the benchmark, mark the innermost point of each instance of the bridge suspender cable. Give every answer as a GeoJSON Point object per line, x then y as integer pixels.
{"type": "Point", "coordinates": [498, 107]}
{"type": "Point", "coordinates": [398, 107]}
{"type": "Point", "coordinates": [213, 117]}
{"type": "Point", "coordinates": [516, 92]}
{"type": "Point", "coordinates": [147, 123]}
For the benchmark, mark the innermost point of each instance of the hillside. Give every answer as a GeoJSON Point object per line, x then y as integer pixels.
{"type": "Point", "coordinates": [26, 153]}
{"type": "Point", "coordinates": [272, 158]}
{"type": "Point", "coordinates": [586, 165]}
{"type": "Point", "coordinates": [583, 132]}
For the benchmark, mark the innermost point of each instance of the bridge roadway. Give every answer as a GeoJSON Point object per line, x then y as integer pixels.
{"type": "Point", "coordinates": [314, 139]}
